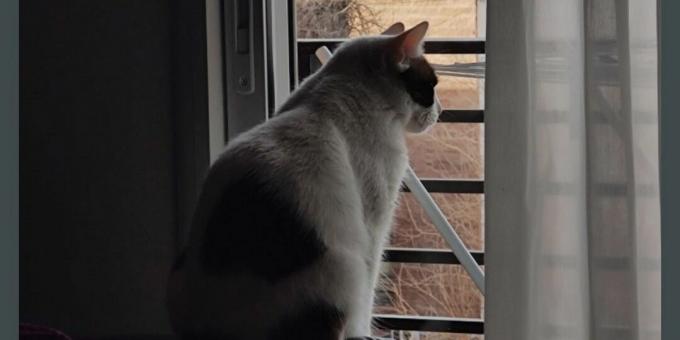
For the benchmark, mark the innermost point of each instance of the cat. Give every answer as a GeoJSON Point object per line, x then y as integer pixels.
{"type": "Point", "coordinates": [289, 230]}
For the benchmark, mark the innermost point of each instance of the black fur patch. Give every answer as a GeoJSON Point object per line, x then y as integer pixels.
{"type": "Point", "coordinates": [255, 227]}
{"type": "Point", "coordinates": [420, 80]}
{"type": "Point", "coordinates": [319, 321]}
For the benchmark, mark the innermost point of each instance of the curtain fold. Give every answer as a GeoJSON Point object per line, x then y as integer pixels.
{"type": "Point", "coordinates": [572, 203]}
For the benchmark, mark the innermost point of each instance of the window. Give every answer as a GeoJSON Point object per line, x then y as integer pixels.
{"type": "Point", "coordinates": [426, 294]}
{"type": "Point", "coordinates": [423, 288]}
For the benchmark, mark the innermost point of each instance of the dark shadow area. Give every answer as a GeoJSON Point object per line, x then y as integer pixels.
{"type": "Point", "coordinates": [113, 116]}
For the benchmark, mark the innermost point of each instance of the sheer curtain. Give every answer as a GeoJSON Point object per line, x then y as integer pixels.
{"type": "Point", "coordinates": [572, 203]}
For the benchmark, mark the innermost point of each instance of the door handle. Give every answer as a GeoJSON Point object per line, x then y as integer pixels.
{"type": "Point", "coordinates": [243, 63]}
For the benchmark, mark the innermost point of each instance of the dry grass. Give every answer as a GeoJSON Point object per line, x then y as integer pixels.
{"type": "Point", "coordinates": [447, 18]}
{"type": "Point", "coordinates": [448, 151]}
{"type": "Point", "coordinates": [334, 18]}
{"type": "Point", "coordinates": [413, 229]}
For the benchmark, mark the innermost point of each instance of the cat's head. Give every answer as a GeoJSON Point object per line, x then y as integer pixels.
{"type": "Point", "coordinates": [392, 65]}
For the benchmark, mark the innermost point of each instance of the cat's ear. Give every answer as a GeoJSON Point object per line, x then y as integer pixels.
{"type": "Point", "coordinates": [395, 29]}
{"type": "Point", "coordinates": [409, 44]}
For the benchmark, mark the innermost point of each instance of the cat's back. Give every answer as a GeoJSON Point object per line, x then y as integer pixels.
{"type": "Point", "coordinates": [261, 181]}
{"type": "Point", "coordinates": [287, 148]}
{"type": "Point", "coordinates": [258, 231]}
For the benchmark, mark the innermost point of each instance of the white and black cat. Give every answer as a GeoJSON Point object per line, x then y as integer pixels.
{"type": "Point", "coordinates": [289, 230]}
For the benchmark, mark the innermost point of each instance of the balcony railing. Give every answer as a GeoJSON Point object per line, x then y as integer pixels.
{"type": "Point", "coordinates": [307, 63]}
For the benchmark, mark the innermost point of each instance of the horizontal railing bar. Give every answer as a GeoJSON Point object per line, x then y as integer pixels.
{"type": "Point", "coordinates": [607, 263]}
{"type": "Point", "coordinates": [462, 116]}
{"type": "Point", "coordinates": [597, 116]}
{"type": "Point", "coordinates": [451, 186]}
{"type": "Point", "coordinates": [600, 189]}
{"type": "Point", "coordinates": [455, 46]}
{"type": "Point", "coordinates": [429, 324]}
{"type": "Point", "coordinates": [434, 46]}
{"type": "Point", "coordinates": [426, 256]}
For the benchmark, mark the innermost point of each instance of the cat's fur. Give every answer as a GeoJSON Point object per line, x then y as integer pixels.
{"type": "Point", "coordinates": [290, 226]}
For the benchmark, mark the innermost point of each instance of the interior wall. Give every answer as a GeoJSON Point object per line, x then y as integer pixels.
{"type": "Point", "coordinates": [110, 156]}
{"type": "Point", "coordinates": [669, 120]}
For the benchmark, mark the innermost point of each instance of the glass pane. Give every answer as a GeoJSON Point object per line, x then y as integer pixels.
{"type": "Point", "coordinates": [348, 18]}
{"type": "Point", "coordinates": [428, 290]}
{"type": "Point", "coordinates": [413, 229]}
